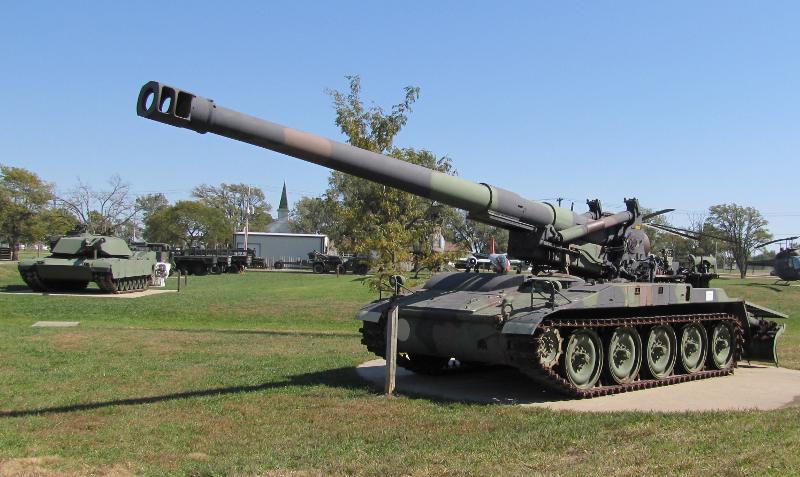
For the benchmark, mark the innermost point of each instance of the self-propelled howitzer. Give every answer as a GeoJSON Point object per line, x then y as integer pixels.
{"type": "Point", "coordinates": [595, 323]}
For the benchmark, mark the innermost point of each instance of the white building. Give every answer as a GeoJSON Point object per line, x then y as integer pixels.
{"type": "Point", "coordinates": [282, 246]}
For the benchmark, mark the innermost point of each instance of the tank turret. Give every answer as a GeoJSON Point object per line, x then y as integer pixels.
{"type": "Point", "coordinates": [593, 245]}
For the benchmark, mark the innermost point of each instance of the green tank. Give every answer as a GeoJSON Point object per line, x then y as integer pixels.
{"type": "Point", "coordinates": [592, 318]}
{"type": "Point", "coordinates": [79, 258]}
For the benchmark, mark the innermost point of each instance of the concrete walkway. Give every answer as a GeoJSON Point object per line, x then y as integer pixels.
{"type": "Point", "coordinates": [94, 293]}
{"type": "Point", "coordinates": [750, 387]}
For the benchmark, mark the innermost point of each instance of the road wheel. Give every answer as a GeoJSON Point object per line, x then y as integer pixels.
{"type": "Point", "coordinates": [199, 269]}
{"type": "Point", "coordinates": [624, 355]}
{"type": "Point", "coordinates": [693, 347]}
{"type": "Point", "coordinates": [549, 347]}
{"type": "Point", "coordinates": [278, 265]}
{"type": "Point", "coordinates": [319, 268]}
{"type": "Point", "coordinates": [583, 358]}
{"type": "Point", "coordinates": [660, 351]}
{"type": "Point", "coordinates": [723, 344]}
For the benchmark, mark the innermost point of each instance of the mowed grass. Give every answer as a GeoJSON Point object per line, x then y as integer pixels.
{"type": "Point", "coordinates": [253, 374]}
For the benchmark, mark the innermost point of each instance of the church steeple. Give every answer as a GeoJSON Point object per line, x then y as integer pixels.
{"type": "Point", "coordinates": [283, 207]}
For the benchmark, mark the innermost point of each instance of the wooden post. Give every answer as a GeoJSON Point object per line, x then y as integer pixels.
{"type": "Point", "coordinates": [391, 350]}
{"type": "Point", "coordinates": [179, 280]}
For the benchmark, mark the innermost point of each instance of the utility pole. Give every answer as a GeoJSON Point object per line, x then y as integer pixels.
{"type": "Point", "coordinates": [246, 217]}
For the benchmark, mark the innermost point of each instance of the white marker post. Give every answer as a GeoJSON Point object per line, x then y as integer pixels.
{"type": "Point", "coordinates": [391, 350]}
{"type": "Point", "coordinates": [391, 336]}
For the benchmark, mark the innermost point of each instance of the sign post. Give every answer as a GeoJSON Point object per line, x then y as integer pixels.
{"type": "Point", "coordinates": [391, 336]}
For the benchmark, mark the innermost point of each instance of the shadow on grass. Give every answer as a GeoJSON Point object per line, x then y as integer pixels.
{"type": "Point", "coordinates": [340, 377]}
{"type": "Point", "coordinates": [772, 287]}
{"type": "Point", "coordinates": [15, 289]}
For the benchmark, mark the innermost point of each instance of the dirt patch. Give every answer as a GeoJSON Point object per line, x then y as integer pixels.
{"type": "Point", "coordinates": [30, 467]}
{"type": "Point", "coordinates": [68, 341]}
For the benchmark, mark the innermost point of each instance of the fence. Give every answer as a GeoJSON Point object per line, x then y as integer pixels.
{"type": "Point", "coordinates": [5, 253]}
{"type": "Point", "coordinates": [293, 263]}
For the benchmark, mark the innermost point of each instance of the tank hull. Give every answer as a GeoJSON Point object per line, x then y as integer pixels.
{"type": "Point", "coordinates": [503, 320]}
{"type": "Point", "coordinates": [73, 274]}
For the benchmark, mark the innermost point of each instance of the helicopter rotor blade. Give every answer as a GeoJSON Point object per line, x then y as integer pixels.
{"type": "Point", "coordinates": [673, 232]}
{"type": "Point", "coordinates": [788, 239]}
{"type": "Point", "coordinates": [657, 213]}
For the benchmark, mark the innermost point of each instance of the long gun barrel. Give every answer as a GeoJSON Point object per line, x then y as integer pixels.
{"type": "Point", "coordinates": [483, 202]}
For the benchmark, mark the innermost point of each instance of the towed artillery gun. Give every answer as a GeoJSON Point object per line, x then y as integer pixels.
{"type": "Point", "coordinates": [79, 258]}
{"type": "Point", "coordinates": [590, 321]}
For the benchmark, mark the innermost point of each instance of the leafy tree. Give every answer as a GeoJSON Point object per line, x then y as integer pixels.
{"type": "Point", "coordinates": [148, 205]}
{"type": "Point", "coordinates": [188, 223]}
{"type": "Point", "coordinates": [233, 200]}
{"type": "Point", "coordinates": [317, 215]}
{"type": "Point", "coordinates": [24, 197]}
{"type": "Point", "coordinates": [106, 211]}
{"type": "Point", "coordinates": [368, 217]}
{"type": "Point", "coordinates": [743, 228]}
{"type": "Point", "coordinates": [475, 236]}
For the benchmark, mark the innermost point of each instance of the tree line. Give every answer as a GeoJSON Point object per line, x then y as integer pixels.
{"type": "Point", "coordinates": [31, 211]}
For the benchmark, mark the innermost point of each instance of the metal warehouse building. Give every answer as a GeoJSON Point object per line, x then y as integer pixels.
{"type": "Point", "coordinates": [282, 246]}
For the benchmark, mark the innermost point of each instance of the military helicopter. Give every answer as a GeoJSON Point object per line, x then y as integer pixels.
{"type": "Point", "coordinates": [786, 264]}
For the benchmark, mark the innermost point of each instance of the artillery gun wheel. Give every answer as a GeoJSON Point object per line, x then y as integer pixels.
{"type": "Point", "coordinates": [583, 358]}
{"type": "Point", "coordinates": [199, 269]}
{"type": "Point", "coordinates": [319, 268]}
{"type": "Point", "coordinates": [660, 351]}
{"type": "Point", "coordinates": [693, 347]}
{"type": "Point", "coordinates": [623, 355]}
{"type": "Point", "coordinates": [723, 346]}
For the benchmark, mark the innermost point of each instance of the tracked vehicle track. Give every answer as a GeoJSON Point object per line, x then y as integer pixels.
{"type": "Point", "coordinates": [122, 285]}
{"type": "Point", "coordinates": [31, 278]}
{"type": "Point", "coordinates": [525, 352]}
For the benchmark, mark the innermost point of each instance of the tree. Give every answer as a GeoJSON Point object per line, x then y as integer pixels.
{"type": "Point", "coordinates": [476, 236]}
{"type": "Point", "coordinates": [148, 205]}
{"type": "Point", "coordinates": [105, 211]}
{"type": "Point", "coordinates": [742, 227]}
{"type": "Point", "coordinates": [368, 217]}
{"type": "Point", "coordinates": [313, 215]}
{"type": "Point", "coordinates": [233, 200]}
{"type": "Point", "coordinates": [188, 223]}
{"type": "Point", "coordinates": [24, 197]}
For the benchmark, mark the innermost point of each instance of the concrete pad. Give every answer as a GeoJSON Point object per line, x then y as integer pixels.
{"type": "Point", "coordinates": [94, 293]}
{"type": "Point", "coordinates": [750, 387]}
{"type": "Point", "coordinates": [55, 324]}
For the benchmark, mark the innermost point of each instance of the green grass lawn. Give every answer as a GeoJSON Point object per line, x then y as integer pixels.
{"type": "Point", "coordinates": [253, 374]}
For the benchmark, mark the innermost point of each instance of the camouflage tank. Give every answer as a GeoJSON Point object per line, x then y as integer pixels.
{"type": "Point", "coordinates": [79, 258]}
{"type": "Point", "coordinates": [591, 318]}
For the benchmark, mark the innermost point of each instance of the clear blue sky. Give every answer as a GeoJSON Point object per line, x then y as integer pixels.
{"type": "Point", "coordinates": [681, 104]}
